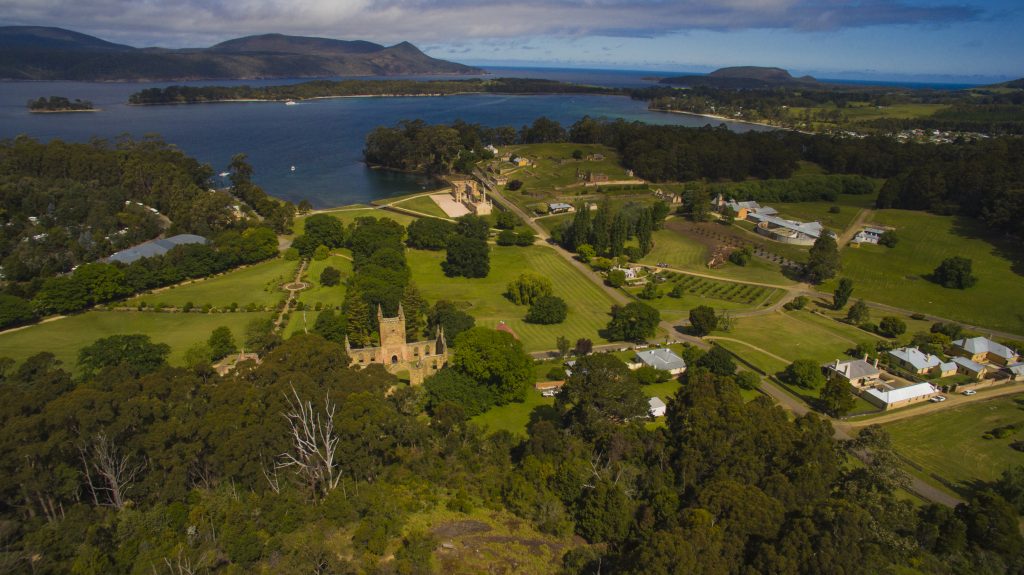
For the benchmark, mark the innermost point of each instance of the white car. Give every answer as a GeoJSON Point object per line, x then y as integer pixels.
{"type": "Point", "coordinates": [938, 399]}
{"type": "Point", "coordinates": [969, 392]}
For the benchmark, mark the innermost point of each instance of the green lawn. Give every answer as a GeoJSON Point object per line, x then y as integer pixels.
{"type": "Point", "coordinates": [324, 295]}
{"type": "Point", "coordinates": [589, 305]}
{"type": "Point", "coordinates": [949, 443]}
{"type": "Point", "coordinates": [423, 205]}
{"type": "Point", "coordinates": [66, 336]}
{"type": "Point", "coordinates": [896, 276]}
{"type": "Point", "coordinates": [513, 417]}
{"type": "Point", "coordinates": [683, 253]}
{"type": "Point", "coordinates": [550, 172]}
{"type": "Point", "coordinates": [797, 335]}
{"type": "Point", "coordinates": [259, 283]}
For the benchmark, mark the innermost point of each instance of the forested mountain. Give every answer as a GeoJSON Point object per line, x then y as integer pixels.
{"type": "Point", "coordinates": [39, 53]}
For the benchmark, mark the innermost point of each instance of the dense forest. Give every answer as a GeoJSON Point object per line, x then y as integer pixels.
{"type": "Point", "coordinates": [64, 207]}
{"type": "Point", "coordinates": [336, 89]}
{"type": "Point", "coordinates": [982, 179]}
{"type": "Point", "coordinates": [303, 465]}
{"type": "Point", "coordinates": [59, 104]}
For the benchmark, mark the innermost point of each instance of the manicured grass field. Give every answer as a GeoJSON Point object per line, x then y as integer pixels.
{"type": "Point", "coordinates": [423, 205]}
{"type": "Point", "coordinates": [949, 443]}
{"type": "Point", "coordinates": [259, 283]}
{"type": "Point", "coordinates": [683, 253]}
{"type": "Point", "coordinates": [589, 305]}
{"type": "Point", "coordinates": [797, 335]}
{"type": "Point", "coordinates": [66, 336]}
{"type": "Point", "coordinates": [896, 276]}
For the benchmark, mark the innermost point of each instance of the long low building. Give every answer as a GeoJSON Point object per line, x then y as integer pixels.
{"type": "Point", "coordinates": [154, 248]}
{"type": "Point", "coordinates": [786, 231]}
{"type": "Point", "coordinates": [889, 398]}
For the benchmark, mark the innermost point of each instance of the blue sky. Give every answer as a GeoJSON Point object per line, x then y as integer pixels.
{"type": "Point", "coordinates": [873, 39]}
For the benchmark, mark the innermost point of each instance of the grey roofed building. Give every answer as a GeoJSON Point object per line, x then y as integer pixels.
{"type": "Point", "coordinates": [921, 361]}
{"type": "Point", "coordinates": [1016, 371]}
{"type": "Point", "coordinates": [664, 359]}
{"type": "Point", "coordinates": [856, 371]}
{"type": "Point", "coordinates": [154, 248]}
{"type": "Point", "coordinates": [977, 346]}
{"type": "Point", "coordinates": [971, 367]}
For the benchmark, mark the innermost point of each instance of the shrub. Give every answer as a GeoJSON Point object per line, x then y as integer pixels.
{"type": "Point", "coordinates": [650, 291]}
{"type": "Point", "coordinates": [834, 210]}
{"type": "Point", "coordinates": [514, 185]}
{"type": "Point", "coordinates": [888, 239]}
{"type": "Point", "coordinates": [804, 373]}
{"type": "Point", "coordinates": [799, 302]}
{"type": "Point", "coordinates": [330, 276]}
{"type": "Point", "coordinates": [741, 257]}
{"type": "Point", "coordinates": [616, 278]}
{"type": "Point", "coordinates": [892, 326]}
{"type": "Point", "coordinates": [506, 238]}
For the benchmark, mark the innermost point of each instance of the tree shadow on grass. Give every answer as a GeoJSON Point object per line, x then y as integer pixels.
{"type": "Point", "coordinates": [1002, 246]}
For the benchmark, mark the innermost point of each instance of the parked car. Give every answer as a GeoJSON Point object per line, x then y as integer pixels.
{"type": "Point", "coordinates": [969, 392]}
{"type": "Point", "coordinates": [662, 265]}
{"type": "Point", "coordinates": [938, 399]}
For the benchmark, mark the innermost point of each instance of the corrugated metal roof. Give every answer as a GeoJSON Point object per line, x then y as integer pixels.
{"type": "Point", "coordinates": [154, 248]}
{"type": "Point", "coordinates": [663, 358]}
{"type": "Point", "coordinates": [904, 393]}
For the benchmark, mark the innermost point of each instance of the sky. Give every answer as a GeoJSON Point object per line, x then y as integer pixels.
{"type": "Point", "coordinates": [956, 40]}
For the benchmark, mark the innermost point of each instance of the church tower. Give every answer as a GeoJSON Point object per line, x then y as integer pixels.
{"type": "Point", "coordinates": [392, 337]}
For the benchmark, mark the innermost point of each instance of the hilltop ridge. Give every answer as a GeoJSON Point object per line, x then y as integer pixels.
{"type": "Point", "coordinates": [43, 53]}
{"type": "Point", "coordinates": [743, 77]}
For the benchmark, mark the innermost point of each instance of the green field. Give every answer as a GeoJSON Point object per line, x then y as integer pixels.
{"type": "Point", "coordinates": [66, 336]}
{"type": "Point", "coordinates": [589, 305]}
{"type": "Point", "coordinates": [949, 443]}
{"type": "Point", "coordinates": [683, 253]}
{"type": "Point", "coordinates": [797, 335]}
{"type": "Point", "coordinates": [896, 276]}
{"type": "Point", "coordinates": [317, 293]}
{"type": "Point", "coordinates": [259, 283]}
{"type": "Point", "coordinates": [423, 205]}
{"type": "Point", "coordinates": [721, 295]}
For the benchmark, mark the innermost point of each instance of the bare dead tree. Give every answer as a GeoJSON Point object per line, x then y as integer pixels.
{"type": "Point", "coordinates": [109, 472]}
{"type": "Point", "coordinates": [313, 456]}
{"type": "Point", "coordinates": [184, 565]}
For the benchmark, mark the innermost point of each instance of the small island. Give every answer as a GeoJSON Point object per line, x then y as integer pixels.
{"type": "Point", "coordinates": [60, 104]}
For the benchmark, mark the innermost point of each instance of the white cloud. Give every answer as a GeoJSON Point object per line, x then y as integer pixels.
{"type": "Point", "coordinates": [203, 22]}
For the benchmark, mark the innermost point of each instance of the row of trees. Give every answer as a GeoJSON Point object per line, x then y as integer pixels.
{"type": "Point", "coordinates": [605, 232]}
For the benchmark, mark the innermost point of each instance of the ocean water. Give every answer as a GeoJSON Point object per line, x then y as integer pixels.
{"type": "Point", "coordinates": [322, 139]}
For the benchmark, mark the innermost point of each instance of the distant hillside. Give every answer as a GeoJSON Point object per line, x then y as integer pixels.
{"type": "Point", "coordinates": [39, 53]}
{"type": "Point", "coordinates": [743, 77]}
{"type": "Point", "coordinates": [1017, 84]}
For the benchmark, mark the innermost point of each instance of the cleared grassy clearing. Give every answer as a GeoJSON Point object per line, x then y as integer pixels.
{"type": "Point", "coordinates": [259, 283]}
{"type": "Point", "coordinates": [65, 337]}
{"type": "Point", "coordinates": [589, 305]}
{"type": "Point", "coordinates": [950, 444]}
{"type": "Point", "coordinates": [513, 417]}
{"type": "Point", "coordinates": [896, 276]}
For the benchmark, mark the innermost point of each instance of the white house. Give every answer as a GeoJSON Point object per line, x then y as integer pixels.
{"type": "Point", "coordinates": [657, 407]}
